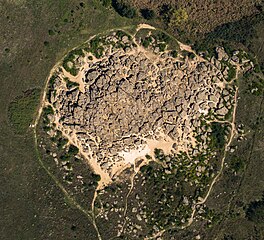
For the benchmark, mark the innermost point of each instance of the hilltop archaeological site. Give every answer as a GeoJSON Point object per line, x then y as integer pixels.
{"type": "Point", "coordinates": [122, 102]}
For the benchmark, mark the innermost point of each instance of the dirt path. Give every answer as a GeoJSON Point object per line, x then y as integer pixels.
{"type": "Point", "coordinates": [232, 135]}
{"type": "Point", "coordinates": [79, 78]}
{"type": "Point", "coordinates": [136, 170]}
{"type": "Point", "coordinates": [126, 202]}
{"type": "Point", "coordinates": [144, 26]}
{"type": "Point", "coordinates": [87, 213]}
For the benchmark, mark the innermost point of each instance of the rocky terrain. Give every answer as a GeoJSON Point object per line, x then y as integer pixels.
{"type": "Point", "coordinates": [127, 101]}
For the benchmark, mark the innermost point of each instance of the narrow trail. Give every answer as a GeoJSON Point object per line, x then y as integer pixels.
{"type": "Point", "coordinates": [94, 216]}
{"type": "Point", "coordinates": [87, 213]}
{"type": "Point", "coordinates": [191, 219]}
{"type": "Point", "coordinates": [126, 201]}
{"type": "Point", "coordinates": [233, 133]}
{"type": "Point", "coordinates": [136, 170]}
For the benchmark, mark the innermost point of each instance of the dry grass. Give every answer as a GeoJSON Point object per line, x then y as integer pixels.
{"type": "Point", "coordinates": [205, 15]}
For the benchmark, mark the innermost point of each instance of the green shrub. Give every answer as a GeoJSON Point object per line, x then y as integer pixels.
{"type": "Point", "coordinates": [46, 112]}
{"type": "Point", "coordinates": [178, 17]}
{"type": "Point", "coordinates": [94, 43]}
{"type": "Point", "coordinates": [70, 59]}
{"type": "Point", "coordinates": [70, 84]}
{"type": "Point", "coordinates": [159, 154]}
{"type": "Point", "coordinates": [165, 12]}
{"type": "Point", "coordinates": [191, 55]}
{"type": "Point", "coordinates": [231, 72]}
{"type": "Point", "coordinates": [217, 135]}
{"type": "Point", "coordinates": [95, 47]}
{"type": "Point", "coordinates": [106, 3]}
{"type": "Point", "coordinates": [146, 169]}
{"type": "Point", "coordinates": [174, 53]}
{"type": "Point", "coordinates": [73, 150]}
{"type": "Point", "coordinates": [121, 34]}
{"type": "Point", "coordinates": [21, 110]}
{"type": "Point", "coordinates": [99, 52]}
{"type": "Point", "coordinates": [236, 164]}
{"type": "Point", "coordinates": [162, 47]}
{"type": "Point", "coordinates": [96, 177]}
{"type": "Point", "coordinates": [255, 212]}
{"type": "Point", "coordinates": [163, 37]}
{"type": "Point", "coordinates": [185, 53]}
{"type": "Point", "coordinates": [61, 143]}
{"type": "Point", "coordinates": [124, 9]}
{"type": "Point", "coordinates": [147, 13]}
{"type": "Point", "coordinates": [148, 157]}
{"type": "Point", "coordinates": [46, 43]}
{"type": "Point", "coordinates": [50, 89]}
{"type": "Point", "coordinates": [51, 32]}
{"type": "Point", "coordinates": [65, 157]}
{"type": "Point", "coordinates": [146, 42]}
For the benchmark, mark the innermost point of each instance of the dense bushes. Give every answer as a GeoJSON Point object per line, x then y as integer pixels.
{"type": "Point", "coordinates": [69, 59]}
{"type": "Point", "coordinates": [165, 13]}
{"type": "Point", "coordinates": [255, 211]}
{"type": "Point", "coordinates": [146, 42]}
{"type": "Point", "coordinates": [236, 164]}
{"type": "Point", "coordinates": [95, 47]}
{"type": "Point", "coordinates": [231, 34]}
{"type": "Point", "coordinates": [96, 177]}
{"type": "Point", "coordinates": [70, 84]}
{"type": "Point", "coordinates": [73, 150]}
{"type": "Point", "coordinates": [218, 135]}
{"type": "Point", "coordinates": [124, 9]}
{"type": "Point", "coordinates": [147, 13]}
{"type": "Point", "coordinates": [174, 53]}
{"type": "Point", "coordinates": [61, 142]}
{"type": "Point", "coordinates": [106, 3]}
{"type": "Point", "coordinates": [178, 17]}
{"type": "Point", "coordinates": [238, 31]}
{"type": "Point", "coordinates": [22, 109]}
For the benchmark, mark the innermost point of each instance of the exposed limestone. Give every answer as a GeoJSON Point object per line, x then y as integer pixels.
{"type": "Point", "coordinates": [130, 100]}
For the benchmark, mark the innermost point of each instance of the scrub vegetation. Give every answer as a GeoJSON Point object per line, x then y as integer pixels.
{"type": "Point", "coordinates": [22, 110]}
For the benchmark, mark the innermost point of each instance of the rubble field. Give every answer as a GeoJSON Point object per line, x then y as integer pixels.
{"type": "Point", "coordinates": [119, 100]}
